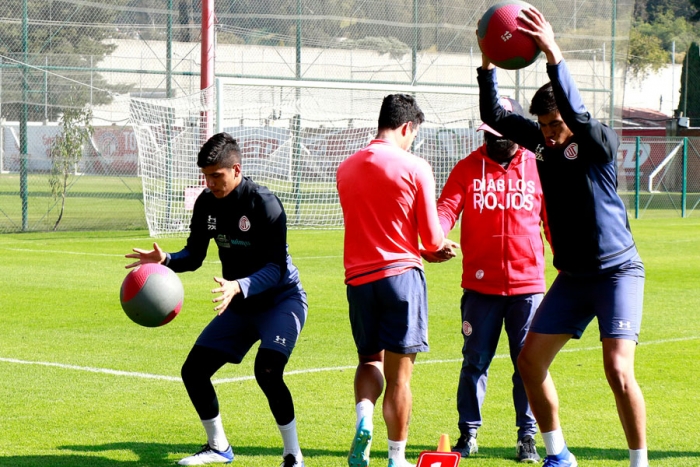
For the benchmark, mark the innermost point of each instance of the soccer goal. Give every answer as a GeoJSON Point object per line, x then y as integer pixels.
{"type": "Point", "coordinates": [169, 133]}
{"type": "Point", "coordinates": [293, 135]}
{"type": "Point", "coordinates": [662, 167]}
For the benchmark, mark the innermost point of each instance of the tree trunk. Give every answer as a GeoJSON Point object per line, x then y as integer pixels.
{"type": "Point", "coordinates": [63, 203]}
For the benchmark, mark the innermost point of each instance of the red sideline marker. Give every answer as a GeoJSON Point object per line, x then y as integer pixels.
{"type": "Point", "coordinates": [438, 459]}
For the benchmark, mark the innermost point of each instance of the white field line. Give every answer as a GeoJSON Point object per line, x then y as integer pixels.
{"type": "Point", "coordinates": [92, 370]}
{"type": "Point", "coordinates": [293, 372]}
{"type": "Point", "coordinates": [75, 253]}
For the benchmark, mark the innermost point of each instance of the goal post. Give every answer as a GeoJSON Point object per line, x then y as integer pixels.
{"type": "Point", "coordinates": [661, 166]}
{"type": "Point", "coordinates": [293, 135]}
{"type": "Point", "coordinates": [169, 133]}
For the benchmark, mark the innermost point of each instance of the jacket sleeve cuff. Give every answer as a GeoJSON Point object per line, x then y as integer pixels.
{"type": "Point", "coordinates": [244, 284]}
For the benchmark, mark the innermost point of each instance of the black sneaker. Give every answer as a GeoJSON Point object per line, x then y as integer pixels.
{"type": "Point", "coordinates": [466, 445]}
{"type": "Point", "coordinates": [291, 461]}
{"type": "Point", "coordinates": [526, 451]}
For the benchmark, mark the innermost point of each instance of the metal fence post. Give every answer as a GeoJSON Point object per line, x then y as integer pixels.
{"type": "Point", "coordinates": [2, 145]}
{"type": "Point", "coordinates": [24, 117]}
{"type": "Point", "coordinates": [169, 51]}
{"type": "Point", "coordinates": [684, 181]}
{"type": "Point", "coordinates": [296, 164]}
{"type": "Point", "coordinates": [637, 145]}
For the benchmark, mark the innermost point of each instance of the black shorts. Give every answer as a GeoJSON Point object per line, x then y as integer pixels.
{"type": "Point", "coordinates": [614, 297]}
{"type": "Point", "coordinates": [390, 314]}
{"type": "Point", "coordinates": [277, 328]}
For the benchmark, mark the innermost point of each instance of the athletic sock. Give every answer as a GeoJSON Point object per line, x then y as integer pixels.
{"type": "Point", "coordinates": [397, 450]}
{"type": "Point", "coordinates": [638, 458]}
{"type": "Point", "coordinates": [554, 442]}
{"type": "Point", "coordinates": [364, 409]}
{"type": "Point", "coordinates": [215, 433]}
{"type": "Point", "coordinates": [290, 439]}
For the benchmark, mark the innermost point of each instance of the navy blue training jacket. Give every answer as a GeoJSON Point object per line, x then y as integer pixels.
{"type": "Point", "coordinates": [249, 227]}
{"type": "Point", "coordinates": [587, 219]}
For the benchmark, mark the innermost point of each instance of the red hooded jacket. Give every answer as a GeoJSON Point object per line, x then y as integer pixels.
{"type": "Point", "coordinates": [502, 211]}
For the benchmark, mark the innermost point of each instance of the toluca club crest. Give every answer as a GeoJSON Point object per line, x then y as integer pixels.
{"type": "Point", "coordinates": [467, 328]}
{"type": "Point", "coordinates": [571, 151]}
{"type": "Point", "coordinates": [244, 224]}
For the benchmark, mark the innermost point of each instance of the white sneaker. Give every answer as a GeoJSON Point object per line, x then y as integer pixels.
{"type": "Point", "coordinates": [209, 455]}
{"type": "Point", "coordinates": [291, 461]}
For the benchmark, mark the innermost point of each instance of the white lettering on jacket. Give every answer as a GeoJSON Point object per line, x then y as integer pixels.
{"type": "Point", "coordinates": [503, 194]}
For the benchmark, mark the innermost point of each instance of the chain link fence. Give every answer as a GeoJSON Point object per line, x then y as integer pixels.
{"type": "Point", "coordinates": [663, 179]}
{"type": "Point", "coordinates": [59, 54]}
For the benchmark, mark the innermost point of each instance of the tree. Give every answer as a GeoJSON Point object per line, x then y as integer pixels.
{"type": "Point", "coordinates": [62, 34]}
{"type": "Point", "coordinates": [669, 28]}
{"type": "Point", "coordinates": [650, 9]}
{"type": "Point", "coordinates": [645, 53]}
{"type": "Point", "coordinates": [689, 102]}
{"type": "Point", "coordinates": [66, 152]}
{"type": "Point", "coordinates": [696, 5]}
{"type": "Point", "coordinates": [651, 43]}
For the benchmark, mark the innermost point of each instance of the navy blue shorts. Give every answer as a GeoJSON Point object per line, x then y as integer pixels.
{"type": "Point", "coordinates": [390, 314]}
{"type": "Point", "coordinates": [614, 297]}
{"type": "Point", "coordinates": [277, 328]}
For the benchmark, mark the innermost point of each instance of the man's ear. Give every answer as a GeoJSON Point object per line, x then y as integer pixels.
{"type": "Point", "coordinates": [237, 170]}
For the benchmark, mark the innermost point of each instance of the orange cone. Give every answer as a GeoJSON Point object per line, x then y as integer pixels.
{"type": "Point", "coordinates": [444, 444]}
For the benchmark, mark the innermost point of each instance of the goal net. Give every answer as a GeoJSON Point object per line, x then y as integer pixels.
{"type": "Point", "coordinates": [293, 135]}
{"type": "Point", "coordinates": [169, 133]}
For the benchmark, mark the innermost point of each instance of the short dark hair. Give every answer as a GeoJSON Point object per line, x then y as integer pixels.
{"type": "Point", "coordinates": [398, 109]}
{"type": "Point", "coordinates": [220, 149]}
{"type": "Point", "coordinates": [543, 101]}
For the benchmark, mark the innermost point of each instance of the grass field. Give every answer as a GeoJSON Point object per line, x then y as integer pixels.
{"type": "Point", "coordinates": [116, 202]}
{"type": "Point", "coordinates": [81, 385]}
{"type": "Point", "coordinates": [92, 203]}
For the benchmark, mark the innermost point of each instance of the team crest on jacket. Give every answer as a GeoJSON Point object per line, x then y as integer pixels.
{"type": "Point", "coordinates": [571, 151]}
{"type": "Point", "coordinates": [244, 224]}
{"type": "Point", "coordinates": [467, 328]}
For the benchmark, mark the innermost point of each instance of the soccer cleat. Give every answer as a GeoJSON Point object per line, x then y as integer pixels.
{"type": "Point", "coordinates": [525, 450]}
{"type": "Point", "coordinates": [563, 459]}
{"type": "Point", "coordinates": [209, 455]}
{"type": "Point", "coordinates": [466, 445]}
{"type": "Point", "coordinates": [291, 461]}
{"type": "Point", "coordinates": [359, 450]}
{"type": "Point", "coordinates": [395, 463]}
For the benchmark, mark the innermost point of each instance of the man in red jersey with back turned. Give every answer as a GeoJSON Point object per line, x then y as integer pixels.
{"type": "Point", "coordinates": [388, 200]}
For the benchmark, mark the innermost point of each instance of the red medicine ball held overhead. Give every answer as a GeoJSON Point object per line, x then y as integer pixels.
{"type": "Point", "coordinates": [500, 40]}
